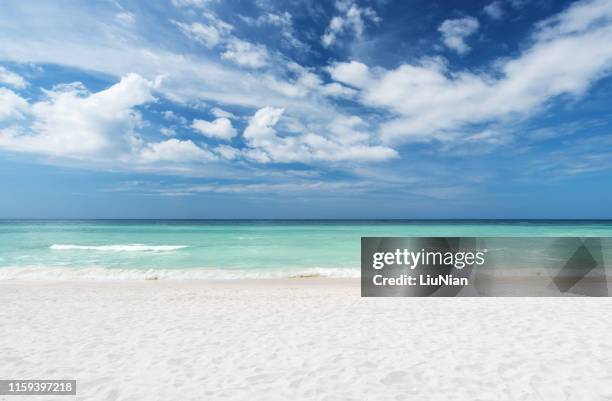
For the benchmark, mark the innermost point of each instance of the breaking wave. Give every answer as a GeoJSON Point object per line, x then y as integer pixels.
{"type": "Point", "coordinates": [104, 274]}
{"type": "Point", "coordinates": [118, 248]}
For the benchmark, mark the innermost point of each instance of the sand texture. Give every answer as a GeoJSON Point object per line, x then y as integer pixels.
{"type": "Point", "coordinates": [300, 339]}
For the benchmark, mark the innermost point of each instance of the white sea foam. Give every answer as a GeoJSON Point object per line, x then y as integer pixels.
{"type": "Point", "coordinates": [118, 248]}
{"type": "Point", "coordinates": [106, 274]}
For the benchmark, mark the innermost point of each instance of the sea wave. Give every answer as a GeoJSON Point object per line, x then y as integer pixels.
{"type": "Point", "coordinates": [40, 273]}
{"type": "Point", "coordinates": [118, 248]}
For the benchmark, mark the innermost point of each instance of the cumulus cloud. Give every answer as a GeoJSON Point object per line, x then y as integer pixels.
{"type": "Point", "coordinates": [308, 83]}
{"type": "Point", "coordinates": [494, 10]}
{"type": "Point", "coordinates": [455, 31]}
{"type": "Point", "coordinates": [227, 152]}
{"type": "Point", "coordinates": [73, 122]}
{"type": "Point", "coordinates": [221, 128]}
{"type": "Point", "coordinates": [345, 144]}
{"type": "Point", "coordinates": [352, 18]}
{"type": "Point", "coordinates": [167, 131]}
{"type": "Point", "coordinates": [174, 150]}
{"type": "Point", "coordinates": [190, 78]}
{"type": "Point", "coordinates": [12, 79]}
{"type": "Point", "coordinates": [416, 101]}
{"type": "Point", "coordinates": [245, 53]}
{"type": "Point", "coordinates": [218, 33]}
{"type": "Point", "coordinates": [12, 105]}
{"type": "Point", "coordinates": [352, 73]}
{"type": "Point", "coordinates": [220, 113]}
{"type": "Point", "coordinates": [569, 52]}
{"type": "Point", "coordinates": [171, 116]}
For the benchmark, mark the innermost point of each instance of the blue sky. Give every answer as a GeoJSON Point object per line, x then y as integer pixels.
{"type": "Point", "coordinates": [306, 109]}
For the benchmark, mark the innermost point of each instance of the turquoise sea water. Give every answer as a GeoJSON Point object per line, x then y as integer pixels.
{"type": "Point", "coordinates": [228, 249]}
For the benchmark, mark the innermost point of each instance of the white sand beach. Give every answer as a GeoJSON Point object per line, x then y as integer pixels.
{"type": "Point", "coordinates": [300, 339]}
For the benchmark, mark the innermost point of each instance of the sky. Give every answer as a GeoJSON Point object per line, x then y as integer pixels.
{"type": "Point", "coordinates": [306, 109]}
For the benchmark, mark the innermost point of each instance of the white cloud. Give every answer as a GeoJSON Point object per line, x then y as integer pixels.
{"type": "Point", "coordinates": [218, 32]}
{"type": "Point", "coordinates": [581, 18]}
{"type": "Point", "coordinates": [334, 89]}
{"type": "Point", "coordinates": [220, 113]}
{"type": "Point", "coordinates": [188, 80]}
{"type": "Point", "coordinates": [207, 35]}
{"type": "Point", "coordinates": [569, 52]}
{"type": "Point", "coordinates": [167, 131]}
{"type": "Point", "coordinates": [12, 105]}
{"type": "Point", "coordinates": [455, 31]}
{"type": "Point", "coordinates": [227, 152]}
{"type": "Point", "coordinates": [284, 22]}
{"type": "Point", "coordinates": [174, 150]}
{"type": "Point", "coordinates": [308, 83]}
{"type": "Point", "coordinates": [261, 125]}
{"type": "Point", "coordinates": [352, 73]}
{"type": "Point", "coordinates": [494, 10]}
{"type": "Point", "coordinates": [12, 79]}
{"type": "Point", "coordinates": [269, 18]}
{"type": "Point", "coordinates": [246, 54]}
{"type": "Point", "coordinates": [267, 146]}
{"type": "Point", "coordinates": [74, 123]}
{"type": "Point", "coordinates": [171, 116]}
{"type": "Point", "coordinates": [125, 18]}
{"type": "Point", "coordinates": [198, 77]}
{"type": "Point", "coordinates": [351, 19]}
{"type": "Point", "coordinates": [189, 77]}
{"type": "Point", "coordinates": [284, 188]}
{"type": "Point", "coordinates": [191, 3]}
{"type": "Point", "coordinates": [417, 101]}
{"type": "Point", "coordinates": [221, 128]}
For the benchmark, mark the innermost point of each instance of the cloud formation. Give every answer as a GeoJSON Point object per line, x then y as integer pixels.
{"type": "Point", "coordinates": [72, 122]}
{"type": "Point", "coordinates": [568, 53]}
{"type": "Point", "coordinates": [210, 34]}
{"type": "Point", "coordinates": [12, 79]}
{"type": "Point", "coordinates": [346, 142]}
{"type": "Point", "coordinates": [245, 53]}
{"type": "Point", "coordinates": [12, 105]}
{"type": "Point", "coordinates": [174, 150]}
{"type": "Point", "coordinates": [190, 3]}
{"type": "Point", "coordinates": [351, 19]}
{"type": "Point", "coordinates": [221, 128]}
{"type": "Point", "coordinates": [494, 10]}
{"type": "Point", "coordinates": [217, 32]}
{"type": "Point", "coordinates": [455, 32]}
{"type": "Point", "coordinates": [280, 110]}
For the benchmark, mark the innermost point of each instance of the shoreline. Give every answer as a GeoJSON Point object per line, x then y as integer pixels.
{"type": "Point", "coordinates": [494, 282]}
{"type": "Point", "coordinates": [344, 282]}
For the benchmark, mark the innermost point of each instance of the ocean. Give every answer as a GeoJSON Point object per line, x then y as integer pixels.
{"type": "Point", "coordinates": [224, 249]}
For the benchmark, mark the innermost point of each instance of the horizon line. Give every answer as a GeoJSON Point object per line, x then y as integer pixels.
{"type": "Point", "coordinates": [311, 219]}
